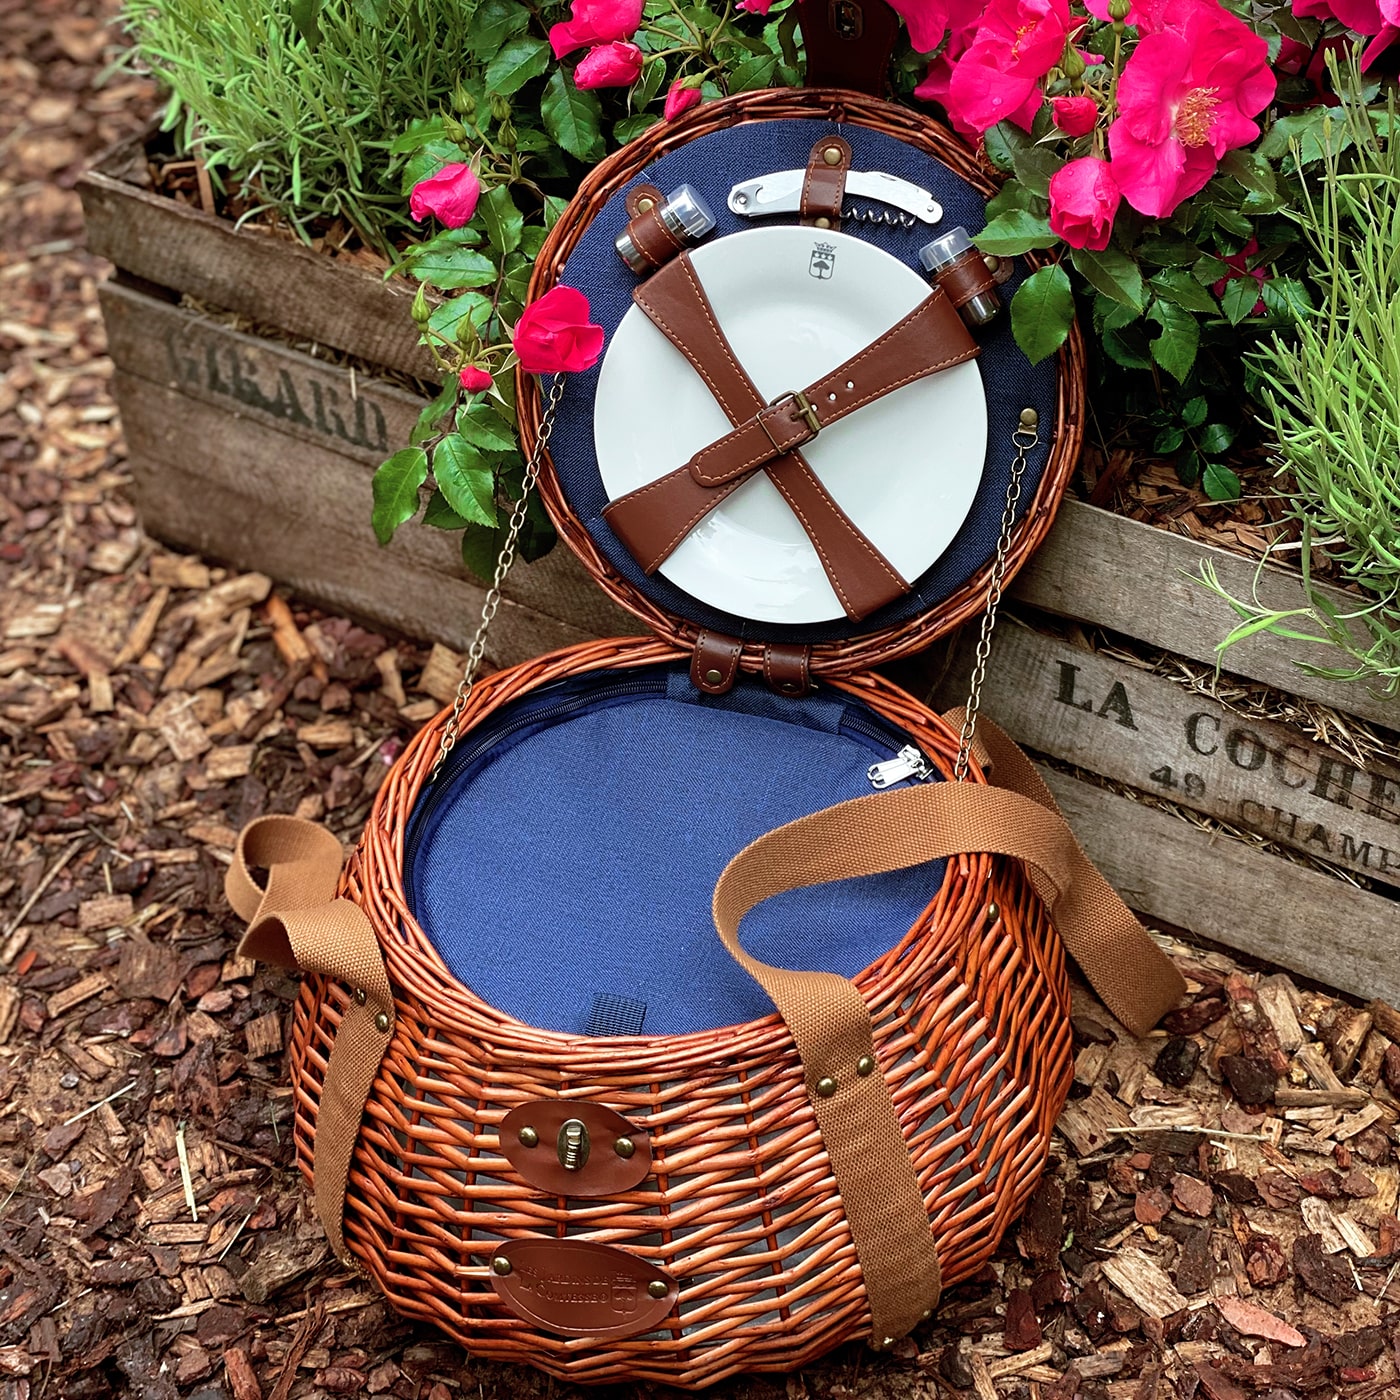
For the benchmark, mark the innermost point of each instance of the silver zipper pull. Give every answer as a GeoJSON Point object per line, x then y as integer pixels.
{"type": "Point", "coordinates": [907, 763]}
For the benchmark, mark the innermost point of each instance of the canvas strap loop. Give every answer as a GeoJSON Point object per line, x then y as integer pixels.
{"type": "Point", "coordinates": [1014, 815]}
{"type": "Point", "coordinates": [298, 923]}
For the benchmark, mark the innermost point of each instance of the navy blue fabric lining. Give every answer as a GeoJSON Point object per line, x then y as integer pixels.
{"type": "Point", "coordinates": [567, 880]}
{"type": "Point", "coordinates": [712, 164]}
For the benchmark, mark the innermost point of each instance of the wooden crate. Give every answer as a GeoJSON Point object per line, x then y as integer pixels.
{"type": "Point", "coordinates": [259, 451]}
{"type": "Point", "coordinates": [1148, 735]}
{"type": "Point", "coordinates": [255, 452]}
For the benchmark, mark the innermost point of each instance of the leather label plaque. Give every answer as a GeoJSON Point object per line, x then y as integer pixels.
{"type": "Point", "coordinates": [571, 1148]}
{"type": "Point", "coordinates": [581, 1289]}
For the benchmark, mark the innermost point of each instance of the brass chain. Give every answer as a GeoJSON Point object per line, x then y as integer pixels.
{"type": "Point", "coordinates": [1024, 438]}
{"type": "Point", "coordinates": [492, 603]}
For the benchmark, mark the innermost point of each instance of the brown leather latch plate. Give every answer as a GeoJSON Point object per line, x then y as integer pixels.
{"type": "Point", "coordinates": [580, 1288]}
{"type": "Point", "coordinates": [570, 1148]}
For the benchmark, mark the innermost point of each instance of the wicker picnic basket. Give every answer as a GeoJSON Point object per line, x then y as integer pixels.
{"type": "Point", "coordinates": [706, 1196]}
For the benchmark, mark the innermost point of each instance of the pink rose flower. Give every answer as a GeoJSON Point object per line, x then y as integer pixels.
{"type": "Point", "coordinates": [938, 79]}
{"type": "Point", "coordinates": [1017, 43]}
{"type": "Point", "coordinates": [1084, 198]}
{"type": "Point", "coordinates": [609, 65]}
{"type": "Point", "coordinates": [679, 98]}
{"type": "Point", "coordinates": [1187, 96]}
{"type": "Point", "coordinates": [756, 7]}
{"type": "Point", "coordinates": [474, 379]}
{"type": "Point", "coordinates": [450, 196]}
{"type": "Point", "coordinates": [1075, 116]}
{"type": "Point", "coordinates": [595, 22]}
{"type": "Point", "coordinates": [554, 335]}
{"type": "Point", "coordinates": [1238, 263]}
{"type": "Point", "coordinates": [929, 20]}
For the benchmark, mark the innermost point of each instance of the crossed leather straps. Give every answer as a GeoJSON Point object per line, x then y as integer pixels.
{"type": "Point", "coordinates": [653, 520]}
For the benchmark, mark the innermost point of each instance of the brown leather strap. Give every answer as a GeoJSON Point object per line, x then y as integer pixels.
{"type": "Point", "coordinates": [715, 662]}
{"type": "Point", "coordinates": [967, 278]}
{"type": "Point", "coordinates": [848, 43]}
{"type": "Point", "coordinates": [787, 668]}
{"type": "Point", "coordinates": [1015, 816]}
{"type": "Point", "coordinates": [824, 185]}
{"type": "Point", "coordinates": [651, 521]}
{"type": "Point", "coordinates": [298, 923]}
{"type": "Point", "coordinates": [930, 338]}
{"type": "Point", "coordinates": [642, 197]}
{"type": "Point", "coordinates": [651, 238]}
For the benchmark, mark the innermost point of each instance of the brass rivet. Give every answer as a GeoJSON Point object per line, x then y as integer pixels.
{"type": "Point", "coordinates": [381, 1022]}
{"type": "Point", "coordinates": [926, 1314]}
{"type": "Point", "coordinates": [657, 1289]}
{"type": "Point", "coordinates": [500, 1265]}
{"type": "Point", "coordinates": [823, 222]}
{"type": "Point", "coordinates": [791, 688]}
{"type": "Point", "coordinates": [993, 913]}
{"type": "Point", "coordinates": [1030, 418]}
{"type": "Point", "coordinates": [865, 1065]}
{"type": "Point", "coordinates": [624, 1147]}
{"type": "Point", "coordinates": [826, 1087]}
{"type": "Point", "coordinates": [361, 996]}
{"type": "Point", "coordinates": [529, 1137]}
{"type": "Point", "coordinates": [888, 1342]}
{"type": "Point", "coordinates": [713, 677]}
{"type": "Point", "coordinates": [645, 205]}
{"type": "Point", "coordinates": [993, 262]}
{"type": "Point", "coordinates": [832, 155]}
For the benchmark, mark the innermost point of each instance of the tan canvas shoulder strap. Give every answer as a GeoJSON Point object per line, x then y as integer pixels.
{"type": "Point", "coordinates": [297, 922]}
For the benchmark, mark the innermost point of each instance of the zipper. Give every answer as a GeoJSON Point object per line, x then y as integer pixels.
{"type": "Point", "coordinates": [907, 763]}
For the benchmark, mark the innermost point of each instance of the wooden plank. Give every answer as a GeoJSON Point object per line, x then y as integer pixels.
{"type": "Point", "coordinates": [261, 275]}
{"type": "Point", "coordinates": [1127, 724]}
{"type": "Point", "coordinates": [1134, 578]}
{"type": "Point", "coordinates": [1223, 889]}
{"type": "Point", "coordinates": [360, 418]}
{"type": "Point", "coordinates": [296, 483]}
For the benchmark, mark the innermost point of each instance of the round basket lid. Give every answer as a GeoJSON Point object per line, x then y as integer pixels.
{"type": "Point", "coordinates": [922, 472]}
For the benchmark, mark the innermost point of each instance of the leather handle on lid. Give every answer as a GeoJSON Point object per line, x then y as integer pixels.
{"type": "Point", "coordinates": [298, 923]}
{"type": "Point", "coordinates": [848, 43]}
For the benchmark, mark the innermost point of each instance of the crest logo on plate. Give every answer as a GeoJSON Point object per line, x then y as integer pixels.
{"type": "Point", "coordinates": [823, 262]}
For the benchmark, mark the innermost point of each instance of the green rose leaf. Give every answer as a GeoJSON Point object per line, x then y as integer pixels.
{"type": "Point", "coordinates": [1221, 483]}
{"type": "Point", "coordinates": [1194, 414]}
{"type": "Point", "coordinates": [1035, 166]}
{"type": "Point", "coordinates": [479, 423]}
{"type": "Point", "coordinates": [466, 482]}
{"type": "Point", "coordinates": [433, 414]}
{"type": "Point", "coordinates": [1042, 312]}
{"type": "Point", "coordinates": [395, 486]}
{"type": "Point", "coordinates": [1003, 142]}
{"type": "Point", "coordinates": [572, 117]}
{"type": "Point", "coordinates": [452, 268]}
{"type": "Point", "coordinates": [455, 315]}
{"type": "Point", "coordinates": [1168, 441]}
{"type": "Point", "coordinates": [503, 220]}
{"type": "Point", "coordinates": [630, 127]}
{"type": "Point", "coordinates": [751, 73]}
{"type": "Point", "coordinates": [515, 64]}
{"type": "Point", "coordinates": [1167, 249]}
{"type": "Point", "coordinates": [1238, 300]}
{"type": "Point", "coordinates": [1175, 348]}
{"type": "Point", "coordinates": [441, 516]}
{"type": "Point", "coordinates": [1016, 231]}
{"type": "Point", "coordinates": [481, 548]}
{"type": "Point", "coordinates": [492, 23]}
{"type": "Point", "coordinates": [1215, 438]}
{"type": "Point", "coordinates": [1176, 285]}
{"type": "Point", "coordinates": [1113, 273]}
{"type": "Point", "coordinates": [1286, 297]}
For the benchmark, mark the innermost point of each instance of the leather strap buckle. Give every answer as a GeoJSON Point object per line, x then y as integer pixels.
{"type": "Point", "coordinates": [805, 412]}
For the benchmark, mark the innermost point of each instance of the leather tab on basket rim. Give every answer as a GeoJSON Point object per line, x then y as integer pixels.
{"type": "Point", "coordinates": [824, 186]}
{"type": "Point", "coordinates": [582, 1289]}
{"type": "Point", "coordinates": [296, 922]}
{"type": "Point", "coordinates": [848, 43]}
{"type": "Point", "coordinates": [609, 1154]}
{"type": "Point", "coordinates": [715, 662]}
{"type": "Point", "coordinates": [787, 668]}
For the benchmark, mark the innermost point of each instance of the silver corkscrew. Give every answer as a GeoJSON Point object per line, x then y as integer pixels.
{"type": "Point", "coordinates": [882, 218]}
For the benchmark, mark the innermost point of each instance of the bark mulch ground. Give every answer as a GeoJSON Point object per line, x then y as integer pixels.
{"type": "Point", "coordinates": [1219, 1217]}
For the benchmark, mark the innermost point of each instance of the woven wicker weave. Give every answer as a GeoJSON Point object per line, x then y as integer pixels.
{"type": "Point", "coordinates": [972, 1029]}
{"type": "Point", "coordinates": [868, 649]}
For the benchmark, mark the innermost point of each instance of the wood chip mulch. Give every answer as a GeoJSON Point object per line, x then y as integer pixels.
{"type": "Point", "coordinates": [1219, 1218]}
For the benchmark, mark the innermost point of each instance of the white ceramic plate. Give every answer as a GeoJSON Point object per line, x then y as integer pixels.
{"type": "Point", "coordinates": [905, 468]}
